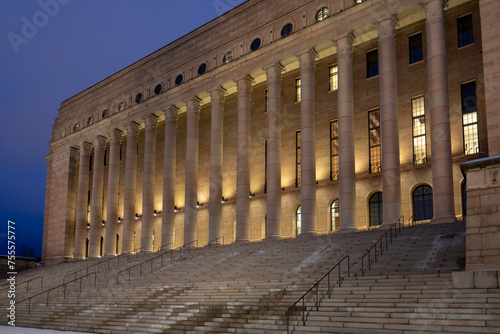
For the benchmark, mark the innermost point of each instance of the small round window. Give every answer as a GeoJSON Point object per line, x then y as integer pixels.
{"type": "Point", "coordinates": [158, 89]}
{"type": "Point", "coordinates": [121, 106]}
{"type": "Point", "coordinates": [322, 14]}
{"type": "Point", "coordinates": [202, 69]}
{"type": "Point", "coordinates": [179, 79]}
{"type": "Point", "coordinates": [256, 44]}
{"type": "Point", "coordinates": [138, 98]}
{"type": "Point", "coordinates": [90, 120]}
{"type": "Point", "coordinates": [105, 113]}
{"type": "Point", "coordinates": [287, 30]}
{"type": "Point", "coordinates": [228, 57]}
{"type": "Point", "coordinates": [76, 126]}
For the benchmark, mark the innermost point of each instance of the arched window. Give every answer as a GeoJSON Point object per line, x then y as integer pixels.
{"type": "Point", "coordinates": [376, 214]}
{"type": "Point", "coordinates": [298, 219]}
{"type": "Point", "coordinates": [422, 203]}
{"type": "Point", "coordinates": [334, 208]}
{"type": "Point", "coordinates": [102, 245]}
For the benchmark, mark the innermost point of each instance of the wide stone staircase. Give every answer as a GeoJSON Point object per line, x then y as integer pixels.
{"type": "Point", "coordinates": [248, 288]}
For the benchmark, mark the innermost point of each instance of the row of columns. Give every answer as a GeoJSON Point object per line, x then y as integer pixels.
{"type": "Point", "coordinates": [391, 182]}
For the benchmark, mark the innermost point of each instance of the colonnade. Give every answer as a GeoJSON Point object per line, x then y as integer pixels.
{"type": "Point", "coordinates": [391, 183]}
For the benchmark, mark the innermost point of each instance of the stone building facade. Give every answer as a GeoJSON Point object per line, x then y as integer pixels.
{"type": "Point", "coordinates": [324, 116]}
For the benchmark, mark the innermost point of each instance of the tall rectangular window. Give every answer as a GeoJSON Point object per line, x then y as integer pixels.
{"type": "Point", "coordinates": [298, 92]}
{"type": "Point", "coordinates": [334, 78]}
{"type": "Point", "coordinates": [298, 166]}
{"type": "Point", "coordinates": [469, 117]}
{"type": "Point", "coordinates": [418, 125]}
{"type": "Point", "coordinates": [334, 150]}
{"type": "Point", "coordinates": [464, 31]}
{"type": "Point", "coordinates": [372, 64]}
{"type": "Point", "coordinates": [416, 51]}
{"type": "Point", "coordinates": [374, 140]}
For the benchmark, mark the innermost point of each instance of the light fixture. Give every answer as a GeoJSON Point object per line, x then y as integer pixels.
{"type": "Point", "coordinates": [155, 213]}
{"type": "Point", "coordinates": [223, 200]}
{"type": "Point", "coordinates": [283, 188]}
{"type": "Point", "coordinates": [88, 226]}
{"type": "Point", "coordinates": [198, 204]}
{"type": "Point", "coordinates": [176, 208]}
{"type": "Point", "coordinates": [251, 194]}
{"type": "Point", "coordinates": [137, 216]}
{"type": "Point", "coordinates": [119, 220]}
{"type": "Point", "coordinates": [103, 223]}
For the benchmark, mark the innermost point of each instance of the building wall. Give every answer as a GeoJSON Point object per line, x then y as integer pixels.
{"type": "Point", "coordinates": [264, 19]}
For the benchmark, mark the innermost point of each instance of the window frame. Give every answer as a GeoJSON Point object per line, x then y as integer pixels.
{"type": "Point", "coordinates": [421, 49]}
{"type": "Point", "coordinates": [371, 61]}
{"type": "Point", "coordinates": [463, 31]}
{"type": "Point", "coordinates": [298, 90]}
{"type": "Point", "coordinates": [424, 135]}
{"type": "Point", "coordinates": [334, 138]}
{"type": "Point", "coordinates": [370, 146]}
{"type": "Point", "coordinates": [474, 124]}
{"type": "Point", "coordinates": [333, 78]}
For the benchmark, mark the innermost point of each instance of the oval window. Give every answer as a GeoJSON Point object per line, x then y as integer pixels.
{"type": "Point", "coordinates": [105, 113]}
{"type": "Point", "coordinates": [322, 14]}
{"type": "Point", "coordinates": [202, 69]}
{"type": "Point", "coordinates": [255, 44]}
{"type": "Point", "coordinates": [121, 106]}
{"type": "Point", "coordinates": [90, 120]}
{"type": "Point", "coordinates": [287, 30]}
{"type": "Point", "coordinates": [158, 89]}
{"type": "Point", "coordinates": [179, 79]}
{"type": "Point", "coordinates": [138, 98]}
{"type": "Point", "coordinates": [228, 57]}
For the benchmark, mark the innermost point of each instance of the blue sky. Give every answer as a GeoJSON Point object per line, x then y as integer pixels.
{"type": "Point", "coordinates": [49, 51]}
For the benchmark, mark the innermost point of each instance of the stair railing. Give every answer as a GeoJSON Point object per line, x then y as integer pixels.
{"type": "Point", "coordinates": [151, 260]}
{"type": "Point", "coordinates": [27, 284]}
{"type": "Point", "coordinates": [379, 245]}
{"type": "Point", "coordinates": [55, 288]}
{"type": "Point", "coordinates": [125, 255]}
{"type": "Point", "coordinates": [315, 290]}
{"type": "Point", "coordinates": [215, 241]}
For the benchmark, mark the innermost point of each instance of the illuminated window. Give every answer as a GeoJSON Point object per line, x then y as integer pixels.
{"type": "Point", "coordinates": [334, 78]}
{"type": "Point", "coordinates": [298, 218]}
{"type": "Point", "coordinates": [298, 165]}
{"type": "Point", "coordinates": [334, 150]}
{"type": "Point", "coordinates": [469, 117]}
{"type": "Point", "coordinates": [322, 14]}
{"type": "Point", "coordinates": [375, 208]}
{"type": "Point", "coordinates": [464, 31]}
{"type": "Point", "coordinates": [335, 224]}
{"type": "Point", "coordinates": [298, 91]}
{"type": "Point", "coordinates": [372, 64]}
{"type": "Point", "coordinates": [416, 51]}
{"type": "Point", "coordinates": [418, 124]}
{"type": "Point", "coordinates": [374, 140]}
{"type": "Point", "coordinates": [422, 203]}
{"type": "Point", "coordinates": [228, 57]}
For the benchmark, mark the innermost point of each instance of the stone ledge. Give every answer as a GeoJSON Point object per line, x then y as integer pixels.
{"type": "Point", "coordinates": [485, 279]}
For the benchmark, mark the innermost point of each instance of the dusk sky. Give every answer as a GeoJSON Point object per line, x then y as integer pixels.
{"type": "Point", "coordinates": [51, 50]}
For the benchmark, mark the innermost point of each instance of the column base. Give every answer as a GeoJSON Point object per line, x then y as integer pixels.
{"type": "Point", "coordinates": [443, 220]}
{"type": "Point", "coordinates": [346, 230]}
{"type": "Point", "coordinates": [272, 237]}
{"type": "Point", "coordinates": [307, 234]}
{"type": "Point", "coordinates": [241, 241]}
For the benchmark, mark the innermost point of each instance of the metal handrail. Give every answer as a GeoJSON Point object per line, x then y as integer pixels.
{"type": "Point", "coordinates": [151, 260]}
{"type": "Point", "coordinates": [102, 262]}
{"type": "Point", "coordinates": [411, 221]}
{"type": "Point", "coordinates": [215, 241]}
{"type": "Point", "coordinates": [28, 283]}
{"type": "Point", "coordinates": [57, 287]}
{"type": "Point", "coordinates": [161, 247]}
{"type": "Point", "coordinates": [316, 288]}
{"type": "Point", "coordinates": [397, 229]}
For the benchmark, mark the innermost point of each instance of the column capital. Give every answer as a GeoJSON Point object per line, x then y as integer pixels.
{"type": "Point", "coordinates": [344, 44]}
{"type": "Point", "coordinates": [273, 72]}
{"type": "Point", "coordinates": [115, 136]}
{"type": "Point", "coordinates": [245, 84]}
{"type": "Point", "coordinates": [193, 105]}
{"type": "Point", "coordinates": [171, 114]}
{"type": "Point", "coordinates": [151, 121]}
{"type": "Point", "coordinates": [434, 9]}
{"type": "Point", "coordinates": [307, 59]}
{"type": "Point", "coordinates": [132, 129]}
{"type": "Point", "coordinates": [100, 142]}
{"type": "Point", "coordinates": [386, 27]}
{"type": "Point", "coordinates": [85, 149]}
{"type": "Point", "coordinates": [217, 95]}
